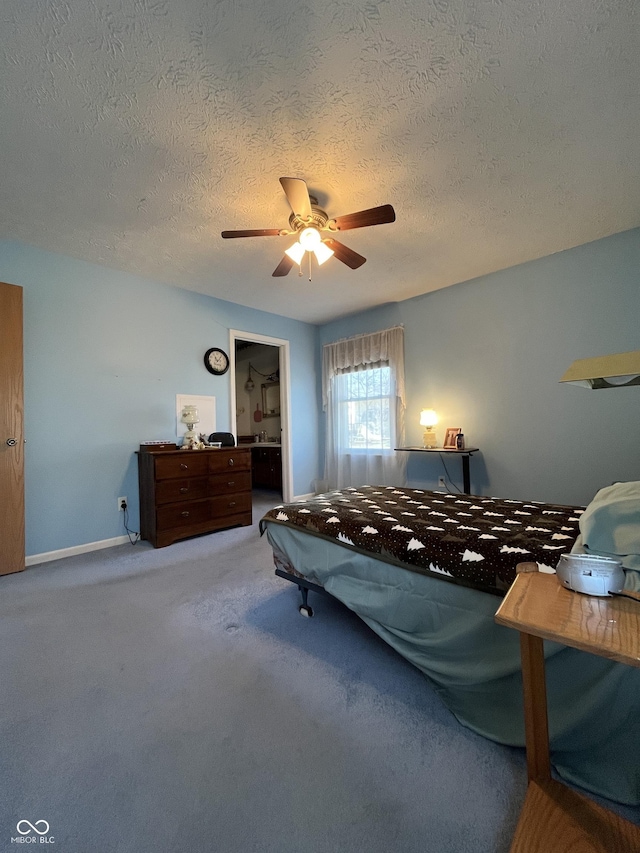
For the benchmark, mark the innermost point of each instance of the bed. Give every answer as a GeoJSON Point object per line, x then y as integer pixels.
{"type": "Point", "coordinates": [425, 570]}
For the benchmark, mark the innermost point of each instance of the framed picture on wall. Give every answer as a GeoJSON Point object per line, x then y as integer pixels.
{"type": "Point", "coordinates": [450, 438]}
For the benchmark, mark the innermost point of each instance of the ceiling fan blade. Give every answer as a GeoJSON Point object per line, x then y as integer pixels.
{"type": "Point", "coordinates": [259, 232]}
{"type": "Point", "coordinates": [345, 254]}
{"type": "Point", "coordinates": [297, 195]}
{"type": "Point", "coordinates": [363, 218]}
{"type": "Point", "coordinates": [283, 267]}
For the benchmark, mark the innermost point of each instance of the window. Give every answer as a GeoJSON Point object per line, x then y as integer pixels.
{"type": "Point", "coordinates": [363, 396]}
{"type": "Point", "coordinates": [366, 404]}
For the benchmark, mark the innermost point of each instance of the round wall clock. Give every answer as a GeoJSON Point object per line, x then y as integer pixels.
{"type": "Point", "coordinates": [216, 361]}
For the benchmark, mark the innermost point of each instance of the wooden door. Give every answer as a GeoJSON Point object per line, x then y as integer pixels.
{"type": "Point", "coordinates": [11, 431]}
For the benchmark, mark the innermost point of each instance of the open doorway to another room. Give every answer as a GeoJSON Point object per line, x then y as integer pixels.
{"type": "Point", "coordinates": [259, 412]}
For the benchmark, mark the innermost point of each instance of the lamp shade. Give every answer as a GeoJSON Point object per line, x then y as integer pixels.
{"type": "Point", "coordinates": [322, 253]}
{"type": "Point", "coordinates": [606, 371]}
{"type": "Point", "coordinates": [295, 252]}
{"type": "Point", "coordinates": [190, 415]}
{"type": "Point", "coordinates": [428, 418]}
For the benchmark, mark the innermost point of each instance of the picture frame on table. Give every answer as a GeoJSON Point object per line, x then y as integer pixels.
{"type": "Point", "coordinates": [450, 437]}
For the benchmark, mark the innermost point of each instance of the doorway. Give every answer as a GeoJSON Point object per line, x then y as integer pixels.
{"type": "Point", "coordinates": [260, 408]}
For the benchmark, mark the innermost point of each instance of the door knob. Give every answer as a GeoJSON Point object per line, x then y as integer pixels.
{"type": "Point", "coordinates": [11, 442]}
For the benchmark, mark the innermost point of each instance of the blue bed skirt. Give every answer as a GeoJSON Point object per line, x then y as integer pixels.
{"type": "Point", "coordinates": [448, 632]}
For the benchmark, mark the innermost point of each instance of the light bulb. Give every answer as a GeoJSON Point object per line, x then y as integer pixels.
{"type": "Point", "coordinates": [309, 239]}
{"type": "Point", "coordinates": [618, 380]}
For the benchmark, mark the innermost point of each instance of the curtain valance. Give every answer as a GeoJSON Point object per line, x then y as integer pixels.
{"type": "Point", "coordinates": [385, 346]}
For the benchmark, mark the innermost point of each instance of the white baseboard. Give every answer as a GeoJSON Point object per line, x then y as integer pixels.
{"type": "Point", "coordinates": [46, 557]}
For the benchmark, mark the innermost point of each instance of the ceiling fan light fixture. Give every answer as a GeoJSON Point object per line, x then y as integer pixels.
{"type": "Point", "coordinates": [322, 253]}
{"type": "Point", "coordinates": [307, 221]}
{"type": "Point", "coordinates": [296, 253]}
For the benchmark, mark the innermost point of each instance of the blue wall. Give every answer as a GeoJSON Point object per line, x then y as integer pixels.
{"type": "Point", "coordinates": [487, 356]}
{"type": "Point", "coordinates": [105, 355]}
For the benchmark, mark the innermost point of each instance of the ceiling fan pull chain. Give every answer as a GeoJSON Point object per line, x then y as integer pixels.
{"type": "Point", "coordinates": [309, 254]}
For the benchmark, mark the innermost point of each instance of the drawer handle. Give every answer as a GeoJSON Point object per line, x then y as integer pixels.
{"type": "Point", "coordinates": [230, 461]}
{"type": "Point", "coordinates": [183, 466]}
{"type": "Point", "coordinates": [184, 489]}
{"type": "Point", "coordinates": [231, 483]}
{"type": "Point", "coordinates": [185, 514]}
{"type": "Point", "coordinates": [233, 503]}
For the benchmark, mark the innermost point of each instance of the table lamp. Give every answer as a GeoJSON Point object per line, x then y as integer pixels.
{"type": "Point", "coordinates": [190, 417]}
{"type": "Point", "coordinates": [428, 419]}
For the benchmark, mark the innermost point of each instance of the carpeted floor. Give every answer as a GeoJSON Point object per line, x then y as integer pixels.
{"type": "Point", "coordinates": [175, 700]}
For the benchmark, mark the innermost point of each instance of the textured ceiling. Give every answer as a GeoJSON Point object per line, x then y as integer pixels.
{"type": "Point", "coordinates": [133, 131]}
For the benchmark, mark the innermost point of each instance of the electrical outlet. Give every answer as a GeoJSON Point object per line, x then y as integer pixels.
{"type": "Point", "coordinates": [441, 483]}
{"type": "Point", "coordinates": [122, 504]}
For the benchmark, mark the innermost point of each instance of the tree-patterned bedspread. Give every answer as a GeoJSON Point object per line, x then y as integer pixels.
{"type": "Point", "coordinates": [466, 539]}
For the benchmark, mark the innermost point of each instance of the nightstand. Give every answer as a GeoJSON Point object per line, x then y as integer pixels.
{"type": "Point", "coordinates": [554, 817]}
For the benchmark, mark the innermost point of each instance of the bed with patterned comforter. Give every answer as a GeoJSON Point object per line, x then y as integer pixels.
{"type": "Point", "coordinates": [473, 541]}
{"type": "Point", "coordinates": [424, 570]}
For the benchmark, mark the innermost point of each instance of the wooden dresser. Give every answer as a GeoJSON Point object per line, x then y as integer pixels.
{"type": "Point", "coordinates": [186, 492]}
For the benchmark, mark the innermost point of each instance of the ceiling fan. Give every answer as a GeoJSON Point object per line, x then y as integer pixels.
{"type": "Point", "coordinates": [307, 221]}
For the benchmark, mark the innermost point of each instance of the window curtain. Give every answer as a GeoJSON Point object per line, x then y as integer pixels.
{"type": "Point", "coordinates": [370, 457]}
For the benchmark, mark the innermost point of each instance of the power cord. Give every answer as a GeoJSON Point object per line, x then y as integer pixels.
{"type": "Point", "coordinates": [125, 521]}
{"type": "Point", "coordinates": [451, 483]}
{"type": "Point", "coordinates": [634, 596]}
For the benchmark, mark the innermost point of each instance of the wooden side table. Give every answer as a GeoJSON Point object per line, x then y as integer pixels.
{"type": "Point", "coordinates": [556, 818]}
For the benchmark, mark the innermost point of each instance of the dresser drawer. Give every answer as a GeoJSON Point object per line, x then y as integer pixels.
{"type": "Point", "coordinates": [170, 490]}
{"type": "Point", "coordinates": [229, 482]}
{"type": "Point", "coordinates": [228, 460]}
{"type": "Point", "coordinates": [183, 514]}
{"type": "Point", "coordinates": [230, 505]}
{"type": "Point", "coordinates": [192, 464]}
